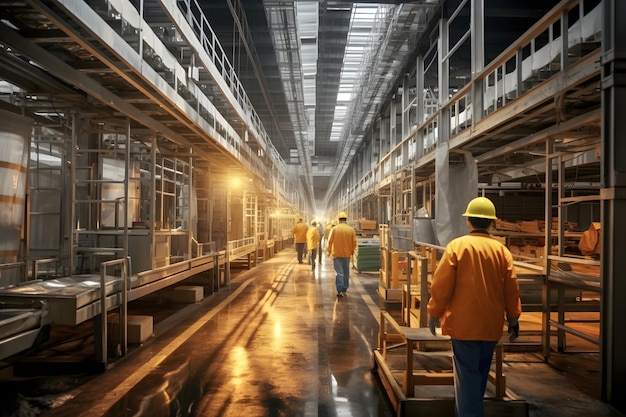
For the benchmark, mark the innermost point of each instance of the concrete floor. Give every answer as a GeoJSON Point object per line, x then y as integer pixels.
{"type": "Point", "coordinates": [275, 342]}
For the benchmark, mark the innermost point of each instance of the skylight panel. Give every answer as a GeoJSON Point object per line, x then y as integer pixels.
{"type": "Point", "coordinates": [361, 23]}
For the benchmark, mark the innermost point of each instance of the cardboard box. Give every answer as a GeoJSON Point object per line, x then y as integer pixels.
{"type": "Point", "coordinates": [365, 224]}
{"type": "Point", "coordinates": [140, 329]}
{"type": "Point", "coordinates": [188, 294]}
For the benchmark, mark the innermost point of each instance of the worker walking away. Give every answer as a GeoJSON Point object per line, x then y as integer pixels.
{"type": "Point", "coordinates": [320, 231]}
{"type": "Point", "coordinates": [341, 246]}
{"type": "Point", "coordinates": [313, 241]}
{"type": "Point", "coordinates": [299, 235]}
{"type": "Point", "coordinates": [474, 288]}
{"type": "Point", "coordinates": [329, 227]}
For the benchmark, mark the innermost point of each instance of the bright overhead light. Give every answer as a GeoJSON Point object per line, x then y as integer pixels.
{"type": "Point", "coordinates": [361, 25]}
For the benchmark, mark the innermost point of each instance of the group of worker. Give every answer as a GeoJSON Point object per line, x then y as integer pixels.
{"type": "Point", "coordinates": [340, 241]}
{"type": "Point", "coordinates": [473, 291]}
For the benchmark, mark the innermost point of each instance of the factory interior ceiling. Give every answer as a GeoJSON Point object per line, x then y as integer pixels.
{"type": "Point", "coordinates": [317, 73]}
{"type": "Point", "coordinates": [347, 74]}
{"type": "Point", "coordinates": [302, 82]}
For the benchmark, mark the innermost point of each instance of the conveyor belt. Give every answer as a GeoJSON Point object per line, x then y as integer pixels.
{"type": "Point", "coordinates": [19, 328]}
{"type": "Point", "coordinates": [70, 300]}
{"type": "Point", "coordinates": [75, 299]}
{"type": "Point", "coordinates": [17, 320]}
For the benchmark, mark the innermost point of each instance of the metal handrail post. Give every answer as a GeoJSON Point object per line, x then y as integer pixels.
{"type": "Point", "coordinates": [424, 292]}
{"type": "Point", "coordinates": [104, 310]}
{"type": "Point", "coordinates": [409, 271]}
{"type": "Point", "coordinates": [103, 317]}
{"type": "Point", "coordinates": [126, 267]}
{"type": "Point", "coordinates": [37, 262]}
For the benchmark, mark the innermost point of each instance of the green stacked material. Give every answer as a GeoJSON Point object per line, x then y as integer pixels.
{"type": "Point", "coordinates": [368, 258]}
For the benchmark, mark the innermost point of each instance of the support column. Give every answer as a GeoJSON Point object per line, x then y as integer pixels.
{"type": "Point", "coordinates": [443, 124]}
{"type": "Point", "coordinates": [478, 57]}
{"type": "Point", "coordinates": [613, 194]}
{"type": "Point", "coordinates": [419, 96]}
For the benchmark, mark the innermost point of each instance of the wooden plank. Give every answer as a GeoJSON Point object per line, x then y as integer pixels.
{"type": "Point", "coordinates": [433, 378]}
{"type": "Point", "coordinates": [393, 389]}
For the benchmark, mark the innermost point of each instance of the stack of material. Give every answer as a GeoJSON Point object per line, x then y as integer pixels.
{"type": "Point", "coordinates": [534, 226]}
{"type": "Point", "coordinates": [526, 238]}
{"type": "Point", "coordinates": [365, 224]}
{"type": "Point", "coordinates": [506, 225]}
{"type": "Point", "coordinates": [367, 256]}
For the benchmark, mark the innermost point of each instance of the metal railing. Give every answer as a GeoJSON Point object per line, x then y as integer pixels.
{"type": "Point", "coordinates": [241, 247]}
{"type": "Point", "coordinates": [527, 63]}
{"type": "Point", "coordinates": [37, 263]}
{"type": "Point", "coordinates": [21, 274]}
{"type": "Point", "coordinates": [101, 350]}
{"type": "Point", "coordinates": [558, 279]}
{"type": "Point", "coordinates": [202, 248]}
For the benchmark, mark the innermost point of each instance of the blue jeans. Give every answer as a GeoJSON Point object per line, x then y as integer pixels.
{"type": "Point", "coordinates": [472, 361]}
{"type": "Point", "coordinates": [342, 273]}
{"type": "Point", "coordinates": [312, 256]}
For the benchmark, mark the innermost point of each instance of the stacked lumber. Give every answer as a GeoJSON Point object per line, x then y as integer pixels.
{"type": "Point", "coordinates": [525, 237]}
{"type": "Point", "coordinates": [509, 226]}
{"type": "Point", "coordinates": [532, 226]}
{"type": "Point", "coordinates": [527, 250]}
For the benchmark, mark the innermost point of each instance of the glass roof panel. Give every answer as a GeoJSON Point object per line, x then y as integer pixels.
{"type": "Point", "coordinates": [361, 23]}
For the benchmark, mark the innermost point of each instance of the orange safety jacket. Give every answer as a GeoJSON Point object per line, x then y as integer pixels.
{"type": "Point", "coordinates": [312, 238]}
{"type": "Point", "coordinates": [299, 232]}
{"type": "Point", "coordinates": [342, 241]}
{"type": "Point", "coordinates": [327, 230]}
{"type": "Point", "coordinates": [474, 287]}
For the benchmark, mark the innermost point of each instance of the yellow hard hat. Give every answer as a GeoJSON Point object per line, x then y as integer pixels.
{"type": "Point", "coordinates": [313, 222]}
{"type": "Point", "coordinates": [342, 215]}
{"type": "Point", "coordinates": [334, 222]}
{"type": "Point", "coordinates": [481, 207]}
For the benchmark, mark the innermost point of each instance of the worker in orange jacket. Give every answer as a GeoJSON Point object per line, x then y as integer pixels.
{"type": "Point", "coordinates": [299, 234]}
{"type": "Point", "coordinates": [327, 229]}
{"type": "Point", "coordinates": [473, 288]}
{"type": "Point", "coordinates": [341, 245]}
{"type": "Point", "coordinates": [313, 242]}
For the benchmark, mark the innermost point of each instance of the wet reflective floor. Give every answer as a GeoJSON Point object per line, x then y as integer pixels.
{"type": "Point", "coordinates": [276, 342]}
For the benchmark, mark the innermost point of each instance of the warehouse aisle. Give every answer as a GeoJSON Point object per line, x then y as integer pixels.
{"type": "Point", "coordinates": [277, 342]}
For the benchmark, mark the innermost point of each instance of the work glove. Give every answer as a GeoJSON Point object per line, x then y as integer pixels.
{"type": "Point", "coordinates": [433, 324]}
{"type": "Point", "coordinates": [513, 329]}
